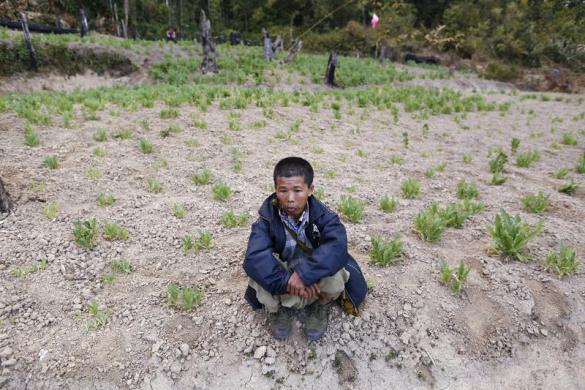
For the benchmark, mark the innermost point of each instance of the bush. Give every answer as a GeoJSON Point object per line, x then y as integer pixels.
{"type": "Point", "coordinates": [511, 235]}
{"type": "Point", "coordinates": [385, 252]}
{"type": "Point", "coordinates": [501, 72]}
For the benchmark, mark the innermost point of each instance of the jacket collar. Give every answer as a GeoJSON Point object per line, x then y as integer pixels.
{"type": "Point", "coordinates": [269, 209]}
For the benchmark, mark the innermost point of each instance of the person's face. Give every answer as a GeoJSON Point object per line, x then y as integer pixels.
{"type": "Point", "coordinates": [293, 194]}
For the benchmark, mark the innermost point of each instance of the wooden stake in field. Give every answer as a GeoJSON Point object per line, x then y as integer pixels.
{"type": "Point", "coordinates": [83, 25]}
{"type": "Point", "coordinates": [209, 54]}
{"type": "Point", "coordinates": [268, 52]}
{"type": "Point", "coordinates": [27, 39]}
{"type": "Point", "coordinates": [295, 48]}
{"type": "Point", "coordinates": [5, 202]}
{"type": "Point", "coordinates": [330, 72]}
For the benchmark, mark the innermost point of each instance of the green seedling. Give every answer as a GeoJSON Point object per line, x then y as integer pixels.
{"type": "Point", "coordinates": [230, 219]}
{"type": "Point", "coordinates": [410, 188]}
{"type": "Point", "coordinates": [86, 233]}
{"type": "Point", "coordinates": [31, 138]}
{"type": "Point", "coordinates": [351, 208]}
{"type": "Point", "coordinates": [569, 187]}
{"type": "Point", "coordinates": [205, 241]}
{"type": "Point", "coordinates": [319, 193]}
{"type": "Point", "coordinates": [405, 139]}
{"type": "Point", "coordinates": [93, 173]}
{"type": "Point", "coordinates": [99, 152]}
{"type": "Point", "coordinates": [187, 244]}
{"type": "Point", "coordinates": [467, 158]}
{"type": "Point", "coordinates": [154, 185]}
{"type": "Point", "coordinates": [114, 232]}
{"type": "Point", "coordinates": [121, 266]}
{"type": "Point", "coordinates": [454, 277]}
{"type": "Point", "coordinates": [514, 145]}
{"type": "Point", "coordinates": [429, 224]}
{"type": "Point", "coordinates": [23, 272]}
{"type": "Point", "coordinates": [221, 191]}
{"type": "Point", "coordinates": [199, 122]}
{"type": "Point", "coordinates": [184, 298]}
{"type": "Point", "coordinates": [98, 318]}
{"type": "Point", "coordinates": [108, 278]}
{"type": "Point", "coordinates": [498, 179]}
{"type": "Point", "coordinates": [51, 162]}
{"type": "Point", "coordinates": [397, 160]}
{"type": "Point", "coordinates": [580, 168]}
{"type": "Point", "coordinates": [535, 203]}
{"type": "Point", "coordinates": [525, 160]}
{"type": "Point", "coordinates": [561, 173]}
{"type": "Point", "coordinates": [467, 190]}
{"type": "Point", "coordinates": [192, 143]}
{"type": "Point", "coordinates": [51, 210]}
{"type": "Point", "coordinates": [123, 134]}
{"type": "Point", "coordinates": [385, 252]}
{"type": "Point", "coordinates": [104, 199]}
{"type": "Point", "coordinates": [179, 211]}
{"type": "Point", "coordinates": [511, 235]}
{"type": "Point", "coordinates": [145, 146]}
{"type": "Point", "coordinates": [100, 135]}
{"type": "Point", "coordinates": [445, 272]}
{"type": "Point", "coordinates": [168, 113]}
{"type": "Point", "coordinates": [453, 215]}
{"type": "Point", "coordinates": [201, 178]}
{"type": "Point", "coordinates": [498, 163]}
{"type": "Point", "coordinates": [471, 206]}
{"type": "Point", "coordinates": [388, 204]}
{"type": "Point", "coordinates": [568, 139]}
{"type": "Point", "coordinates": [563, 263]}
{"type": "Point", "coordinates": [173, 292]}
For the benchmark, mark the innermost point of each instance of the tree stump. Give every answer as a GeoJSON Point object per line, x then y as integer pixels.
{"type": "Point", "coordinates": [5, 201]}
{"type": "Point", "coordinates": [330, 72]}
{"type": "Point", "coordinates": [27, 39]}
{"type": "Point", "coordinates": [295, 48]}
{"type": "Point", "coordinates": [268, 52]}
{"type": "Point", "coordinates": [277, 45]}
{"type": "Point", "coordinates": [208, 64]}
{"type": "Point", "coordinates": [83, 25]}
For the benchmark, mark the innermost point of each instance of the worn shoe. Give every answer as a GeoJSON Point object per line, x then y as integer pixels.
{"type": "Point", "coordinates": [280, 323]}
{"type": "Point", "coordinates": [317, 320]}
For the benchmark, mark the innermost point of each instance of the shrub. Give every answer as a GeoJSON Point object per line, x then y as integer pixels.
{"type": "Point", "coordinates": [511, 235]}
{"type": "Point", "coordinates": [569, 187]}
{"type": "Point", "coordinates": [51, 162]}
{"type": "Point", "coordinates": [86, 233]}
{"type": "Point", "coordinates": [526, 159]}
{"type": "Point", "coordinates": [114, 232]}
{"type": "Point", "coordinates": [387, 204]}
{"type": "Point", "coordinates": [201, 178]}
{"type": "Point", "coordinates": [221, 191]}
{"type": "Point", "coordinates": [535, 203]}
{"type": "Point", "coordinates": [230, 219]}
{"type": "Point", "coordinates": [385, 252]}
{"type": "Point", "coordinates": [352, 209]}
{"type": "Point", "coordinates": [501, 72]}
{"type": "Point", "coordinates": [410, 188]}
{"type": "Point", "coordinates": [563, 263]}
{"type": "Point", "coordinates": [429, 223]}
{"type": "Point", "coordinates": [467, 190]}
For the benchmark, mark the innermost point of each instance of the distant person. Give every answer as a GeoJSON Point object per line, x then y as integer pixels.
{"type": "Point", "coordinates": [171, 35]}
{"type": "Point", "coordinates": [297, 256]}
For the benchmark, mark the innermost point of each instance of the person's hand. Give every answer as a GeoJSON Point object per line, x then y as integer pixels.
{"type": "Point", "coordinates": [295, 285]}
{"type": "Point", "coordinates": [312, 291]}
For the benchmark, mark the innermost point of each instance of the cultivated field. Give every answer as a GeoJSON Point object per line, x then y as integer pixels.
{"type": "Point", "coordinates": [121, 264]}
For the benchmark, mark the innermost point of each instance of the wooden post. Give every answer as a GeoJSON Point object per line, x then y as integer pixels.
{"type": "Point", "coordinates": [268, 52]}
{"type": "Point", "coordinates": [277, 45]}
{"type": "Point", "coordinates": [208, 64]}
{"type": "Point", "coordinates": [295, 48]}
{"type": "Point", "coordinates": [83, 25]}
{"type": "Point", "coordinates": [330, 73]}
{"type": "Point", "coordinates": [5, 202]}
{"type": "Point", "coordinates": [27, 39]}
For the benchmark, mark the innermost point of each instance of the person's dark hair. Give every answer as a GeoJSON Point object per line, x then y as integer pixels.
{"type": "Point", "coordinates": [294, 166]}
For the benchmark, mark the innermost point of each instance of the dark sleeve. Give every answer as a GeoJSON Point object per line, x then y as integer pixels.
{"type": "Point", "coordinates": [330, 256]}
{"type": "Point", "coordinates": [260, 264]}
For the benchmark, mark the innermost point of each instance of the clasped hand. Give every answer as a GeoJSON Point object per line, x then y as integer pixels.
{"type": "Point", "coordinates": [297, 287]}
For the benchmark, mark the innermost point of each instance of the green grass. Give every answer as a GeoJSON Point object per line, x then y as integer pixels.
{"type": "Point", "coordinates": [454, 277]}
{"type": "Point", "coordinates": [498, 163]}
{"type": "Point", "coordinates": [145, 146]}
{"type": "Point", "coordinates": [536, 203]}
{"type": "Point", "coordinates": [386, 252]}
{"type": "Point", "coordinates": [319, 193]}
{"type": "Point", "coordinates": [183, 297]}
{"type": "Point", "coordinates": [98, 317]}
{"type": "Point", "coordinates": [396, 160]}
{"type": "Point", "coordinates": [467, 190]}
{"type": "Point", "coordinates": [123, 134]}
{"type": "Point", "coordinates": [51, 210]}
{"type": "Point", "coordinates": [221, 191]}
{"type": "Point", "coordinates": [498, 178]}
{"type": "Point", "coordinates": [570, 187]}
{"type": "Point", "coordinates": [525, 160]}
{"type": "Point", "coordinates": [201, 177]}
{"type": "Point", "coordinates": [562, 173]}
{"type": "Point", "coordinates": [153, 185]}
{"type": "Point", "coordinates": [388, 204]}
{"type": "Point", "coordinates": [168, 113]}
{"type": "Point", "coordinates": [429, 223]}
{"type": "Point", "coordinates": [410, 188]}
{"type": "Point", "coordinates": [453, 215]}
{"type": "Point", "coordinates": [51, 162]}
{"type": "Point", "coordinates": [23, 272]}
{"type": "Point", "coordinates": [100, 135]}
{"type": "Point", "coordinates": [514, 145]}
{"type": "Point", "coordinates": [99, 152]}
{"type": "Point", "coordinates": [179, 211]}
{"type": "Point", "coordinates": [93, 173]}
{"type": "Point", "coordinates": [511, 235]}
{"type": "Point", "coordinates": [352, 209]}
{"type": "Point", "coordinates": [198, 121]}
{"type": "Point", "coordinates": [467, 158]}
{"type": "Point", "coordinates": [204, 241]}
{"type": "Point", "coordinates": [86, 233]}
{"type": "Point", "coordinates": [112, 232]}
{"type": "Point", "coordinates": [230, 219]}
{"type": "Point", "coordinates": [568, 139]}
{"type": "Point", "coordinates": [104, 199]}
{"type": "Point", "coordinates": [580, 168]}
{"type": "Point", "coordinates": [564, 262]}
{"type": "Point", "coordinates": [31, 138]}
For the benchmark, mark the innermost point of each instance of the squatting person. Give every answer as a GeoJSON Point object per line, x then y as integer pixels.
{"type": "Point", "coordinates": [297, 256]}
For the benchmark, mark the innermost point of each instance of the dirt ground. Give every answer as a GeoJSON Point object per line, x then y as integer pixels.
{"type": "Point", "coordinates": [515, 326]}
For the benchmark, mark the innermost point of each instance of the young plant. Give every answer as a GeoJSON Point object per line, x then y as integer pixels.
{"type": "Point", "coordinates": [453, 215]}
{"type": "Point", "coordinates": [445, 272]}
{"type": "Point", "coordinates": [467, 190]}
{"type": "Point", "coordinates": [388, 204]}
{"type": "Point", "coordinates": [410, 188]}
{"type": "Point", "coordinates": [114, 232]}
{"type": "Point", "coordinates": [470, 206]}
{"type": "Point", "coordinates": [580, 168]}
{"type": "Point", "coordinates": [104, 199]}
{"type": "Point", "coordinates": [525, 160]}
{"type": "Point", "coordinates": [319, 193]}
{"type": "Point", "coordinates": [168, 113]}
{"type": "Point", "coordinates": [98, 318]}
{"type": "Point", "coordinates": [498, 179]}
{"type": "Point", "coordinates": [514, 144]}
{"type": "Point", "coordinates": [51, 210]}
{"type": "Point", "coordinates": [429, 224]}
{"type": "Point", "coordinates": [498, 163]}
{"type": "Point", "coordinates": [230, 219]}
{"type": "Point", "coordinates": [205, 241]}
{"type": "Point", "coordinates": [201, 178]}
{"type": "Point", "coordinates": [123, 134]}
{"type": "Point", "coordinates": [511, 235]}
{"type": "Point", "coordinates": [108, 278]}
{"type": "Point", "coordinates": [467, 158]}
{"type": "Point", "coordinates": [535, 203]}
{"type": "Point", "coordinates": [352, 209]}
{"type": "Point", "coordinates": [569, 187]}
{"type": "Point", "coordinates": [145, 146]}
{"type": "Point", "coordinates": [568, 139]}
{"type": "Point", "coordinates": [121, 266]}
{"type": "Point", "coordinates": [93, 173]}
{"type": "Point", "coordinates": [221, 191]}
{"type": "Point", "coordinates": [385, 252]}
{"type": "Point", "coordinates": [179, 211]}
{"type": "Point", "coordinates": [86, 233]}
{"type": "Point", "coordinates": [154, 185]}
{"type": "Point", "coordinates": [454, 277]}
{"type": "Point", "coordinates": [563, 263]}
{"type": "Point", "coordinates": [187, 244]}
{"type": "Point", "coordinates": [561, 173]}
{"type": "Point", "coordinates": [183, 298]}
{"type": "Point", "coordinates": [51, 162]}
{"type": "Point", "coordinates": [99, 152]}
{"type": "Point", "coordinates": [173, 292]}
{"type": "Point", "coordinates": [31, 138]}
{"type": "Point", "coordinates": [100, 135]}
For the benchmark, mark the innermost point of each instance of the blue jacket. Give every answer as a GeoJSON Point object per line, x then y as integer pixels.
{"type": "Point", "coordinates": [328, 238]}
